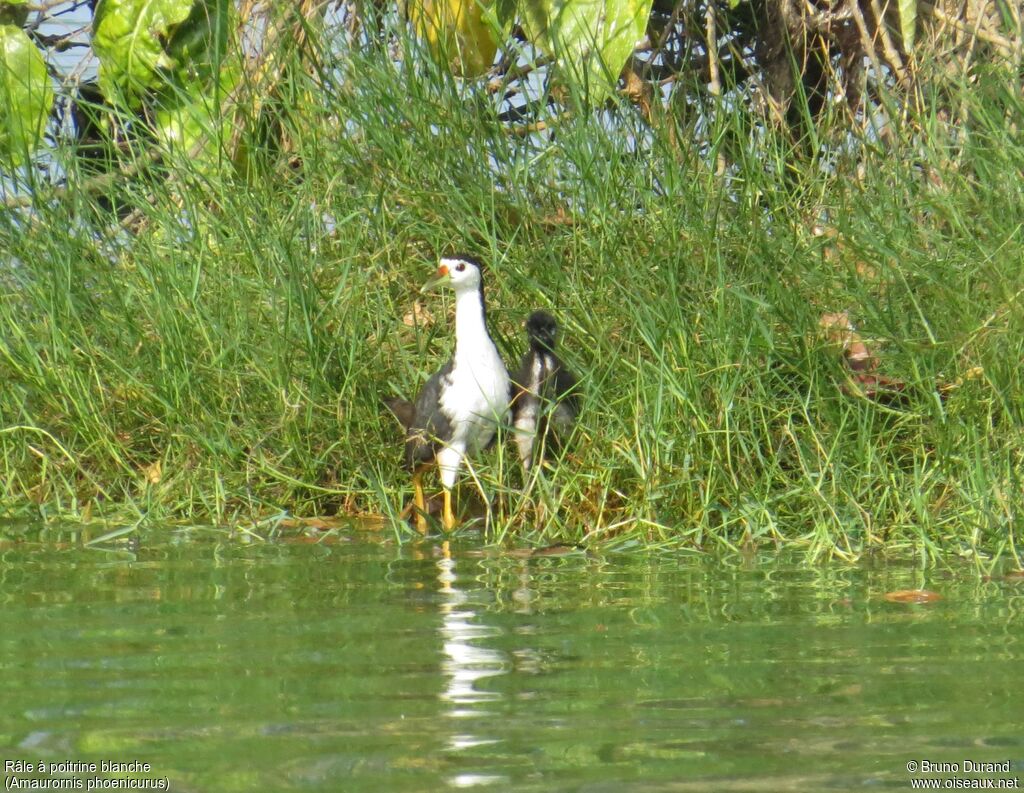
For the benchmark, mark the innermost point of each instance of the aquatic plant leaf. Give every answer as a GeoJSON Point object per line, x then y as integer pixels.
{"type": "Point", "coordinates": [591, 40]}
{"type": "Point", "coordinates": [459, 33]}
{"type": "Point", "coordinates": [26, 95]}
{"type": "Point", "coordinates": [129, 38]}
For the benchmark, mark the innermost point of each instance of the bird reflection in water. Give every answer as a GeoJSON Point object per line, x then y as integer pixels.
{"type": "Point", "coordinates": [466, 662]}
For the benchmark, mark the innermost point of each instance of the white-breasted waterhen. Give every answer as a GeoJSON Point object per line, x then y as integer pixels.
{"type": "Point", "coordinates": [460, 407]}
{"type": "Point", "coordinates": [545, 403]}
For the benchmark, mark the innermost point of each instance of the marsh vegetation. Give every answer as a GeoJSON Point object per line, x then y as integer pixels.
{"type": "Point", "coordinates": [212, 263]}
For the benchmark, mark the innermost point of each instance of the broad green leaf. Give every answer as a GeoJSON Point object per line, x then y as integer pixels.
{"type": "Point", "coordinates": [200, 43]}
{"type": "Point", "coordinates": [190, 118]}
{"type": "Point", "coordinates": [908, 24]}
{"type": "Point", "coordinates": [128, 36]}
{"type": "Point", "coordinates": [504, 13]}
{"type": "Point", "coordinates": [589, 39]}
{"type": "Point", "coordinates": [183, 125]}
{"type": "Point", "coordinates": [26, 95]}
{"type": "Point", "coordinates": [457, 32]}
{"type": "Point", "coordinates": [13, 12]}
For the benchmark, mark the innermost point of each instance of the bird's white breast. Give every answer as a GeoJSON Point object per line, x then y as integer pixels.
{"type": "Point", "coordinates": [477, 396]}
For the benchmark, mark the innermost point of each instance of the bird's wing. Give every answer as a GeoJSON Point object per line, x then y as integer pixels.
{"type": "Point", "coordinates": [429, 422]}
{"type": "Point", "coordinates": [402, 409]}
{"type": "Point", "coordinates": [567, 387]}
{"type": "Point", "coordinates": [519, 384]}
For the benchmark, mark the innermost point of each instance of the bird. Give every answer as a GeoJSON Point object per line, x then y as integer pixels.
{"type": "Point", "coordinates": [545, 402]}
{"type": "Point", "coordinates": [459, 409]}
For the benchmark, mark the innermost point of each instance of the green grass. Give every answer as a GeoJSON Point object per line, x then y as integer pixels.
{"type": "Point", "coordinates": [244, 343]}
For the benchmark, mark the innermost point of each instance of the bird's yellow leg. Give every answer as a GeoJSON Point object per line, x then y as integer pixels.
{"type": "Point", "coordinates": [448, 517]}
{"type": "Point", "coordinates": [419, 503]}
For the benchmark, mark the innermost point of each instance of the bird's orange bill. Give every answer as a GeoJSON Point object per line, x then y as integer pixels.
{"type": "Point", "coordinates": [441, 277]}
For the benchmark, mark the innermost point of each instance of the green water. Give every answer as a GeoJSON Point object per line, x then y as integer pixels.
{"type": "Point", "coordinates": [361, 666]}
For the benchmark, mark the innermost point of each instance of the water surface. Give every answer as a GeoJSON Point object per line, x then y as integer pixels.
{"type": "Point", "coordinates": [370, 667]}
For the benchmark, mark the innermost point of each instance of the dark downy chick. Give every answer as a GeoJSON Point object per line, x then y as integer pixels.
{"type": "Point", "coordinates": [545, 403]}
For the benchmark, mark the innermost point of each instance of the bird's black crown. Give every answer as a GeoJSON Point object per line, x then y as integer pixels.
{"type": "Point", "coordinates": [468, 258]}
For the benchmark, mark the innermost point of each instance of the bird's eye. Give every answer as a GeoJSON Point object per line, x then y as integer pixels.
{"type": "Point", "coordinates": [460, 267]}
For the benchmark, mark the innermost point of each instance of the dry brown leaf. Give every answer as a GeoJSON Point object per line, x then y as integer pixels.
{"type": "Point", "coordinates": [420, 316]}
{"type": "Point", "coordinates": [365, 522]}
{"type": "Point", "coordinates": [875, 386]}
{"type": "Point", "coordinates": [154, 473]}
{"type": "Point", "coordinates": [866, 271]}
{"type": "Point", "coordinates": [974, 373]}
{"type": "Point", "coordinates": [560, 217]}
{"type": "Point", "coordinates": [912, 596]}
{"type": "Point", "coordinates": [835, 250]}
{"type": "Point", "coordinates": [637, 90]}
{"type": "Point", "coordinates": [840, 331]}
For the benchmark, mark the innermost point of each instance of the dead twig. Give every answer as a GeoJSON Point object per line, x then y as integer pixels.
{"type": "Point", "coordinates": [537, 126]}
{"type": "Point", "coordinates": [1002, 44]}
{"type": "Point", "coordinates": [93, 184]}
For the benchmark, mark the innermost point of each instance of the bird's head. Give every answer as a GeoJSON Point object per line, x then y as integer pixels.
{"type": "Point", "coordinates": [541, 330]}
{"type": "Point", "coordinates": [461, 272]}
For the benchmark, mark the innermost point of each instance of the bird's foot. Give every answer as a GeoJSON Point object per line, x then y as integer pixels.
{"type": "Point", "coordinates": [447, 516]}
{"type": "Point", "coordinates": [419, 503]}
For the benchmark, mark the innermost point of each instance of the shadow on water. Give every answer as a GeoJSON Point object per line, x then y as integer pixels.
{"type": "Point", "coordinates": [357, 665]}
